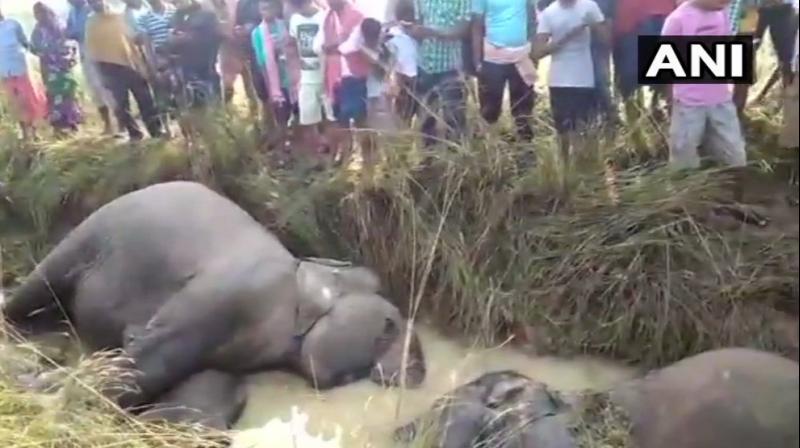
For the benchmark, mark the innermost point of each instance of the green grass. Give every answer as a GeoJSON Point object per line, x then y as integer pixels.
{"type": "Point", "coordinates": [630, 264]}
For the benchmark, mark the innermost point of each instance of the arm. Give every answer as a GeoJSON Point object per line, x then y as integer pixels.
{"type": "Point", "coordinates": [23, 39]}
{"type": "Point", "coordinates": [597, 22]}
{"type": "Point", "coordinates": [35, 46]}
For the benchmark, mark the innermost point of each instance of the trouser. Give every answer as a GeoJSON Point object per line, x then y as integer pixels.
{"type": "Point", "coordinates": [782, 23]}
{"type": "Point", "coordinates": [122, 81]}
{"type": "Point", "coordinates": [602, 81]}
{"type": "Point", "coordinates": [444, 99]}
{"type": "Point", "coordinates": [492, 81]}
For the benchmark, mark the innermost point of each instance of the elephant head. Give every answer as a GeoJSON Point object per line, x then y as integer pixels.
{"type": "Point", "coordinates": [349, 331]}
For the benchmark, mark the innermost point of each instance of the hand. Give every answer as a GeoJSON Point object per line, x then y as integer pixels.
{"type": "Point", "coordinates": [478, 63]}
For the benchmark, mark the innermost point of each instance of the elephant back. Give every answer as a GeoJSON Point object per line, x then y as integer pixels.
{"type": "Point", "coordinates": [730, 398]}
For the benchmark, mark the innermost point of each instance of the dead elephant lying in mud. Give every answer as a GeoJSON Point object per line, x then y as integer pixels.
{"type": "Point", "coordinates": [728, 398]}
{"type": "Point", "coordinates": [184, 281]}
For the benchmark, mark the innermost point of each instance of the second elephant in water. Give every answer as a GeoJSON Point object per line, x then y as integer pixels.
{"type": "Point", "coordinates": [727, 398]}
{"type": "Point", "coordinates": [203, 286]}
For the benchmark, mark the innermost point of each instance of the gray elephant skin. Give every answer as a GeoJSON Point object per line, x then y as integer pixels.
{"type": "Point", "coordinates": [726, 398]}
{"type": "Point", "coordinates": [210, 398]}
{"type": "Point", "coordinates": [501, 409]}
{"type": "Point", "coordinates": [203, 286]}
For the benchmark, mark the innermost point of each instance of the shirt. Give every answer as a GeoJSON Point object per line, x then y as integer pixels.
{"type": "Point", "coordinates": [571, 65]}
{"type": "Point", "coordinates": [199, 53]}
{"type": "Point", "coordinates": [304, 29]}
{"type": "Point", "coordinates": [631, 13]}
{"type": "Point", "coordinates": [76, 23]}
{"type": "Point", "coordinates": [404, 48]}
{"type": "Point", "coordinates": [505, 21]}
{"type": "Point", "coordinates": [157, 25]}
{"type": "Point", "coordinates": [437, 55]}
{"type": "Point", "coordinates": [108, 40]}
{"type": "Point", "coordinates": [132, 17]}
{"type": "Point", "coordinates": [12, 49]}
{"type": "Point", "coordinates": [689, 20]}
{"type": "Point", "coordinates": [743, 16]}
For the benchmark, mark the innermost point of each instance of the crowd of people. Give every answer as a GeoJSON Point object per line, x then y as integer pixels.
{"type": "Point", "coordinates": [325, 68]}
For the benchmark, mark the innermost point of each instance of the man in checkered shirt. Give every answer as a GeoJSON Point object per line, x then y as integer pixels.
{"type": "Point", "coordinates": [441, 27]}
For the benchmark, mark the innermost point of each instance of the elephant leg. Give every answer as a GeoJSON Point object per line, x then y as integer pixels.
{"type": "Point", "coordinates": [211, 398]}
{"type": "Point", "coordinates": [177, 340]}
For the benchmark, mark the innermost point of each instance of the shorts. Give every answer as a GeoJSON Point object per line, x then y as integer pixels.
{"type": "Point", "coordinates": [350, 101]}
{"type": "Point", "coordinates": [380, 115]}
{"type": "Point", "coordinates": [311, 102]}
{"type": "Point", "coordinates": [714, 129]}
{"type": "Point", "coordinates": [572, 107]}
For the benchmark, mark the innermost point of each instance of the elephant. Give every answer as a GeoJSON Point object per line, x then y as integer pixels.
{"type": "Point", "coordinates": [184, 280]}
{"type": "Point", "coordinates": [210, 398]}
{"type": "Point", "coordinates": [500, 409]}
{"type": "Point", "coordinates": [723, 398]}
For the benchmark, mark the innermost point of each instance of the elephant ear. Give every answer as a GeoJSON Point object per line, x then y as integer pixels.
{"type": "Point", "coordinates": [322, 282]}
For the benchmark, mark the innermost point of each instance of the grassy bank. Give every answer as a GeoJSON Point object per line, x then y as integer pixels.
{"type": "Point", "coordinates": [633, 263]}
{"type": "Point", "coordinates": [635, 266]}
{"type": "Point", "coordinates": [72, 413]}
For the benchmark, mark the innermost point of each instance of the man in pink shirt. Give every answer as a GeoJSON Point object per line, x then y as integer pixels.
{"type": "Point", "coordinates": [703, 114]}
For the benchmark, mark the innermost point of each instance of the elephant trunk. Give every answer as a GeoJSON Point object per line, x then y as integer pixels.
{"type": "Point", "coordinates": [403, 354]}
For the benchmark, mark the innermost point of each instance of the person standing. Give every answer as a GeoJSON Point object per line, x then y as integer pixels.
{"type": "Point", "coordinates": [195, 42]}
{"type": "Point", "coordinates": [441, 27]}
{"type": "Point", "coordinates": [564, 33]}
{"type": "Point", "coordinates": [743, 17]}
{"type": "Point", "coordinates": [781, 19]}
{"type": "Point", "coordinates": [636, 18]}
{"type": "Point", "coordinates": [234, 53]}
{"type": "Point", "coordinates": [345, 73]}
{"type": "Point", "coordinates": [27, 101]}
{"type": "Point", "coordinates": [704, 114]}
{"type": "Point", "coordinates": [109, 45]}
{"type": "Point", "coordinates": [790, 136]}
{"type": "Point", "coordinates": [269, 41]}
{"type": "Point", "coordinates": [601, 56]}
{"type": "Point", "coordinates": [501, 53]}
{"type": "Point", "coordinates": [57, 59]}
{"type": "Point", "coordinates": [406, 52]}
{"type": "Point", "coordinates": [156, 28]}
{"type": "Point", "coordinates": [99, 94]}
{"type": "Point", "coordinates": [135, 9]}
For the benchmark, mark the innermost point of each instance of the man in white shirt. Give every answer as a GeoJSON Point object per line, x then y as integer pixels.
{"type": "Point", "coordinates": [304, 26]}
{"type": "Point", "coordinates": [565, 33]}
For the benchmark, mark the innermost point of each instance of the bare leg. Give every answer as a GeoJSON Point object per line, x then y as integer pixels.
{"type": "Point", "coordinates": [105, 116]}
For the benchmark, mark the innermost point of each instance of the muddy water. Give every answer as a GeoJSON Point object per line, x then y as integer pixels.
{"type": "Point", "coordinates": [366, 412]}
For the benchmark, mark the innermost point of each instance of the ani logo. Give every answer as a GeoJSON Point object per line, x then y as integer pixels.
{"type": "Point", "coordinates": [696, 60]}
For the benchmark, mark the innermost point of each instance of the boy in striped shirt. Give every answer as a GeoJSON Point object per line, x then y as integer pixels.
{"type": "Point", "coordinates": [155, 27]}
